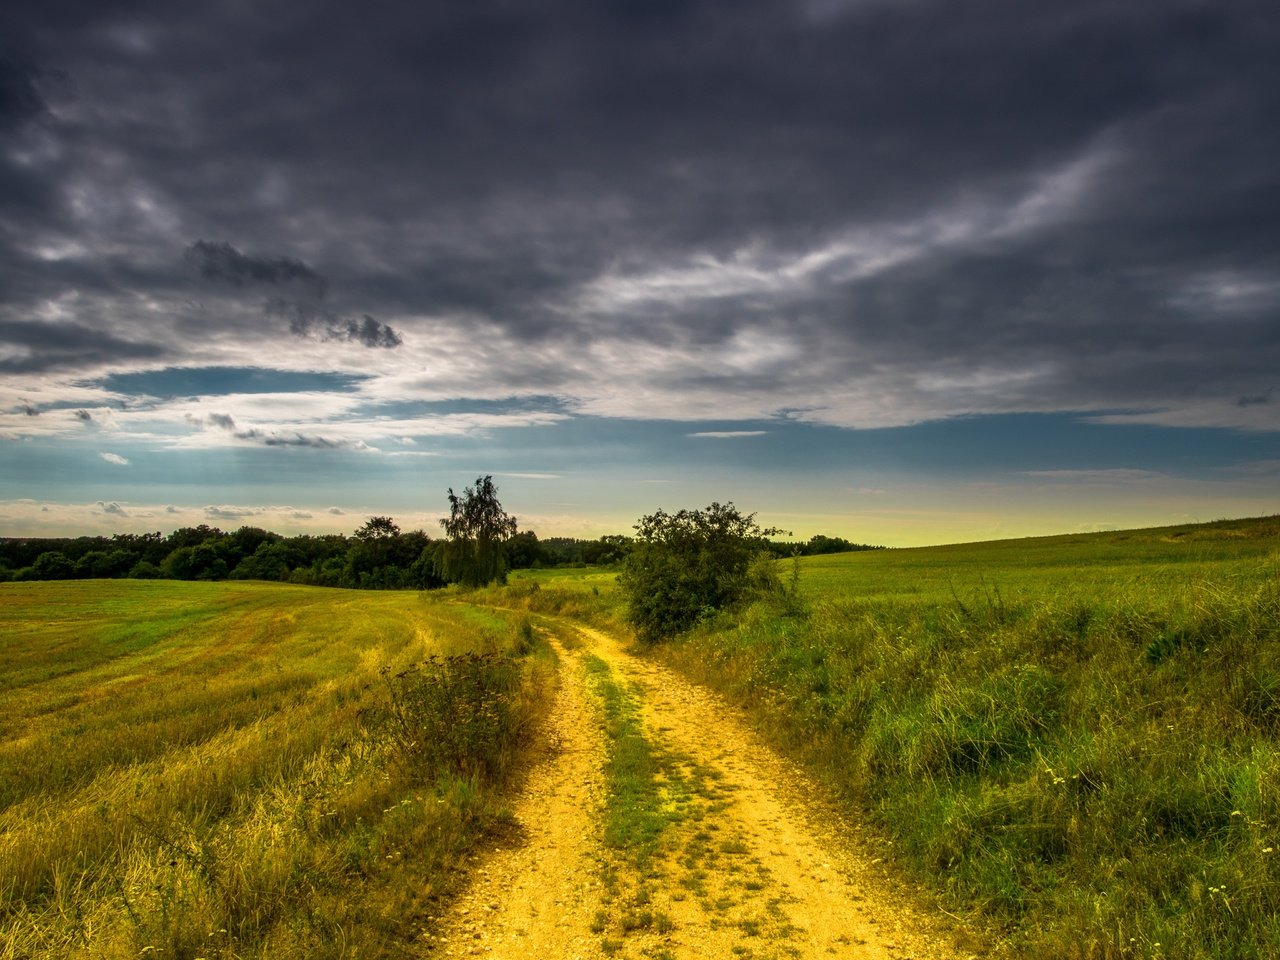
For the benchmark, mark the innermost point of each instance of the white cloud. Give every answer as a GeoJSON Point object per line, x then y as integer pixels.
{"type": "Point", "coordinates": [115, 458]}
{"type": "Point", "coordinates": [1226, 414]}
{"type": "Point", "coordinates": [729, 434]}
{"type": "Point", "coordinates": [224, 512]}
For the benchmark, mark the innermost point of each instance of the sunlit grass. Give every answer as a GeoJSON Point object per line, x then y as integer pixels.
{"type": "Point", "coordinates": [203, 770]}
{"type": "Point", "coordinates": [634, 817]}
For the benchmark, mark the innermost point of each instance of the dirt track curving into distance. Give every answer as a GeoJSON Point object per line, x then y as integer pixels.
{"type": "Point", "coordinates": [751, 863]}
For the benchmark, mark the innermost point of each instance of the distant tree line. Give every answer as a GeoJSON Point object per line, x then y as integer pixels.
{"type": "Point", "coordinates": [378, 556]}
{"type": "Point", "coordinates": [482, 543]}
{"type": "Point", "coordinates": [816, 545]}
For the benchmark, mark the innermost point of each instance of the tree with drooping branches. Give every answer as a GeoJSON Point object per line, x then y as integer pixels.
{"type": "Point", "coordinates": [478, 528]}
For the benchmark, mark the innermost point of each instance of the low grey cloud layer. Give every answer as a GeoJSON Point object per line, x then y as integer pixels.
{"type": "Point", "coordinates": [275, 437]}
{"type": "Point", "coordinates": [861, 214]}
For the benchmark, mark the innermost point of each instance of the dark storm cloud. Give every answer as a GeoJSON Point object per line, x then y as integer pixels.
{"type": "Point", "coordinates": [20, 102]}
{"type": "Point", "coordinates": [35, 347]}
{"type": "Point", "coordinates": [275, 438]}
{"type": "Point", "coordinates": [220, 261]}
{"type": "Point", "coordinates": [371, 333]}
{"type": "Point", "coordinates": [307, 321]}
{"type": "Point", "coordinates": [1074, 202]}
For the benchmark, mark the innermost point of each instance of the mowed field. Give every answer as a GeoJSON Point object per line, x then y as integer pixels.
{"type": "Point", "coordinates": [210, 770]}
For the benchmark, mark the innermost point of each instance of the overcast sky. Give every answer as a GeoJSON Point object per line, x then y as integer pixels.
{"type": "Point", "coordinates": [901, 270]}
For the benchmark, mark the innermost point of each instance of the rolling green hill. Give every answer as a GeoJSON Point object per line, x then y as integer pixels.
{"type": "Point", "coordinates": [1072, 738]}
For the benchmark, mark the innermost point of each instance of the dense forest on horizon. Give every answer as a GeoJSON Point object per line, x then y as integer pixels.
{"type": "Point", "coordinates": [378, 556]}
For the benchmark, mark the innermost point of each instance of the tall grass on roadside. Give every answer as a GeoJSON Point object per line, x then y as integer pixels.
{"type": "Point", "coordinates": [1090, 760]}
{"type": "Point", "coordinates": [225, 781]}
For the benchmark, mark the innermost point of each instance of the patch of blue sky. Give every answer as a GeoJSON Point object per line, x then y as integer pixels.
{"type": "Point", "coordinates": [220, 381]}
{"type": "Point", "coordinates": [963, 447]}
{"type": "Point", "coordinates": [73, 472]}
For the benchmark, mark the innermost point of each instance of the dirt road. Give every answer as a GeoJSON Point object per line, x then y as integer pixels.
{"type": "Point", "coordinates": [724, 850]}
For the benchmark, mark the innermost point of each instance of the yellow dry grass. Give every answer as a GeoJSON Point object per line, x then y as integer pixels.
{"type": "Point", "coordinates": [198, 770]}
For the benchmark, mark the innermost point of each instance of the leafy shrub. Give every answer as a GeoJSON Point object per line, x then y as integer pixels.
{"type": "Point", "coordinates": [685, 566]}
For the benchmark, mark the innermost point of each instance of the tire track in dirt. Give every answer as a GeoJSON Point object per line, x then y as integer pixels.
{"type": "Point", "coordinates": [751, 865]}
{"type": "Point", "coordinates": [535, 895]}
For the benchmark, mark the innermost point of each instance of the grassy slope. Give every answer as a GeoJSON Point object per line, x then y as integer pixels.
{"type": "Point", "coordinates": [1074, 737]}
{"type": "Point", "coordinates": [199, 770]}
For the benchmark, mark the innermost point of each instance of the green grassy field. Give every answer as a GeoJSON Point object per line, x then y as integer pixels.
{"type": "Point", "coordinates": [1144, 561]}
{"type": "Point", "coordinates": [1073, 739]}
{"type": "Point", "coordinates": [213, 770]}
